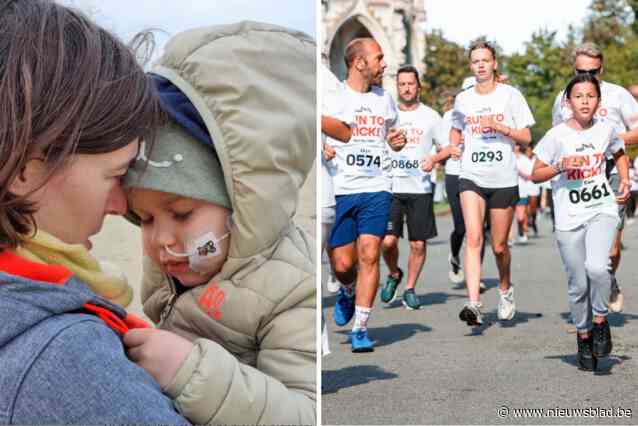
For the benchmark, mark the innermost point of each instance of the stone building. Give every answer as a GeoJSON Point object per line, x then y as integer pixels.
{"type": "Point", "coordinates": [397, 25]}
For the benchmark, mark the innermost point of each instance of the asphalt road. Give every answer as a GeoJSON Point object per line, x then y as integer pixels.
{"type": "Point", "coordinates": [431, 368]}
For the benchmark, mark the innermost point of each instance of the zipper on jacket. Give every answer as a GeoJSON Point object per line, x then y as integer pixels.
{"type": "Point", "coordinates": [168, 309]}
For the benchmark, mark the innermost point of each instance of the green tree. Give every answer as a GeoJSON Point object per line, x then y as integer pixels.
{"type": "Point", "coordinates": [608, 22]}
{"type": "Point", "coordinates": [541, 72]}
{"type": "Point", "coordinates": [446, 65]}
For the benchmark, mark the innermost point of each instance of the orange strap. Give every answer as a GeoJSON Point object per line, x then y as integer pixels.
{"type": "Point", "coordinates": [118, 324]}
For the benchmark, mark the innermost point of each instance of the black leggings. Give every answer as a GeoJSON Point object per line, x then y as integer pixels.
{"type": "Point", "coordinates": [458, 233]}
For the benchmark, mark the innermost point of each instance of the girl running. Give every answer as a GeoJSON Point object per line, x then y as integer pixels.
{"type": "Point", "coordinates": [586, 210]}
{"type": "Point", "coordinates": [491, 117]}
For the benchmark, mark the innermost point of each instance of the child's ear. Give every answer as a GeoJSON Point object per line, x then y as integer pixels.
{"type": "Point", "coordinates": [30, 178]}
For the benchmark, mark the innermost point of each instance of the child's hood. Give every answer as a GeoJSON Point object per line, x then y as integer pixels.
{"type": "Point", "coordinates": [253, 85]}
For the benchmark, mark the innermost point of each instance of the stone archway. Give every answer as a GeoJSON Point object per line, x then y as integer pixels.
{"type": "Point", "coordinates": [349, 30]}
{"type": "Point", "coordinates": [359, 25]}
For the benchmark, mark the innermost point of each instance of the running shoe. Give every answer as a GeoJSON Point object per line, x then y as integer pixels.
{"type": "Point", "coordinates": [616, 298]}
{"type": "Point", "coordinates": [471, 313]}
{"type": "Point", "coordinates": [410, 299]}
{"type": "Point", "coordinates": [456, 272]}
{"type": "Point", "coordinates": [523, 239]}
{"type": "Point", "coordinates": [389, 290]}
{"type": "Point", "coordinates": [344, 307]}
{"type": "Point", "coordinates": [585, 358]}
{"type": "Point", "coordinates": [506, 305]}
{"type": "Point", "coordinates": [601, 340]}
{"type": "Point", "coordinates": [482, 287]}
{"type": "Point", "coordinates": [360, 341]}
{"type": "Point", "coordinates": [333, 284]}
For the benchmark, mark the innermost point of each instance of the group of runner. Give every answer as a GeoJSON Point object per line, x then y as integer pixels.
{"type": "Point", "coordinates": [380, 169]}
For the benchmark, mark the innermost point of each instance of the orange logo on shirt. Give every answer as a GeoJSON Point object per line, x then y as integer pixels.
{"type": "Point", "coordinates": [368, 125]}
{"type": "Point", "coordinates": [211, 300]}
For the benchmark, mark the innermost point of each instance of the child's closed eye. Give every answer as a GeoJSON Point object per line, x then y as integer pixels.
{"type": "Point", "coordinates": [182, 216]}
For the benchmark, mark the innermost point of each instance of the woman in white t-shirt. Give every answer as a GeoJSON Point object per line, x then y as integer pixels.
{"type": "Point", "coordinates": [490, 117]}
{"type": "Point", "coordinates": [524, 166]}
{"type": "Point", "coordinates": [586, 210]}
{"type": "Point", "coordinates": [533, 194]}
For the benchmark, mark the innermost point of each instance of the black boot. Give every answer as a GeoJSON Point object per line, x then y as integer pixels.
{"type": "Point", "coordinates": [585, 358]}
{"type": "Point", "coordinates": [601, 336]}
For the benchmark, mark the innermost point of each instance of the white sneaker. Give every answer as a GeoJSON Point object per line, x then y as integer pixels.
{"type": "Point", "coordinates": [471, 313]}
{"type": "Point", "coordinates": [456, 272]}
{"type": "Point", "coordinates": [523, 239]}
{"type": "Point", "coordinates": [506, 305]}
{"type": "Point", "coordinates": [333, 284]}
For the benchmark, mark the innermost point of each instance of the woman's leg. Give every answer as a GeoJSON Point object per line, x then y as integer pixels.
{"type": "Point", "coordinates": [521, 219]}
{"type": "Point", "coordinates": [531, 213]}
{"type": "Point", "coordinates": [473, 206]}
{"type": "Point", "coordinates": [458, 232]}
{"type": "Point", "coordinates": [501, 221]}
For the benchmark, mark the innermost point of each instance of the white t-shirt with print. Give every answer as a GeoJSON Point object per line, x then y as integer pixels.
{"type": "Point", "coordinates": [488, 157]}
{"type": "Point", "coordinates": [363, 164]}
{"type": "Point", "coordinates": [524, 165]}
{"type": "Point", "coordinates": [617, 105]}
{"type": "Point", "coordinates": [633, 178]}
{"type": "Point", "coordinates": [452, 166]}
{"type": "Point", "coordinates": [420, 126]}
{"type": "Point", "coordinates": [582, 193]}
{"type": "Point", "coordinates": [331, 88]}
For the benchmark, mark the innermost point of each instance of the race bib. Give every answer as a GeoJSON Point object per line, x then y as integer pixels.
{"type": "Point", "coordinates": [363, 160]}
{"type": "Point", "coordinates": [586, 195]}
{"type": "Point", "coordinates": [487, 155]}
{"type": "Point", "coordinates": [405, 163]}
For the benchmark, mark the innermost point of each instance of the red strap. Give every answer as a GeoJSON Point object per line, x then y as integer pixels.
{"type": "Point", "coordinates": [112, 320]}
{"type": "Point", "coordinates": [118, 324]}
{"type": "Point", "coordinates": [13, 264]}
{"type": "Point", "coordinates": [135, 322]}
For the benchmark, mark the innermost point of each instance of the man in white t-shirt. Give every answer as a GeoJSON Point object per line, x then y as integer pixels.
{"type": "Point", "coordinates": [620, 108]}
{"type": "Point", "coordinates": [339, 130]}
{"type": "Point", "coordinates": [411, 188]}
{"type": "Point", "coordinates": [362, 183]}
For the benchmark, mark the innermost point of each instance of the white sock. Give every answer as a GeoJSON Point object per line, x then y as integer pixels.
{"type": "Point", "coordinates": [361, 315]}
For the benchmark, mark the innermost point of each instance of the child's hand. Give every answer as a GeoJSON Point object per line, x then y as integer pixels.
{"type": "Point", "coordinates": [159, 352]}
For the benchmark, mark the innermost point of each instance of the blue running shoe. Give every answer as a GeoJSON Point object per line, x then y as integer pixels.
{"type": "Point", "coordinates": [344, 308]}
{"type": "Point", "coordinates": [361, 342]}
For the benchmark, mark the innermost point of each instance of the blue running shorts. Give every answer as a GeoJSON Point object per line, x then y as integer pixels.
{"type": "Point", "coordinates": [358, 214]}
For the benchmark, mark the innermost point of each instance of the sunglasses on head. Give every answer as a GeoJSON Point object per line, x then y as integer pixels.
{"type": "Point", "coordinates": [592, 72]}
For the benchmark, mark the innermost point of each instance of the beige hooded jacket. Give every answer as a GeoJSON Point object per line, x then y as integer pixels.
{"type": "Point", "coordinates": [253, 325]}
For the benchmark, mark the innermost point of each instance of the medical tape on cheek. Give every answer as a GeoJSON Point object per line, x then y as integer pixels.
{"type": "Point", "coordinates": [201, 249]}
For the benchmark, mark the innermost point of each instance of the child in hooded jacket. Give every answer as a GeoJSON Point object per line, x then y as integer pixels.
{"type": "Point", "coordinates": [228, 277]}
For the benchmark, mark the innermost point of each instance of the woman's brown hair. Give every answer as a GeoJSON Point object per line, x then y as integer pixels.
{"type": "Point", "coordinates": [67, 87]}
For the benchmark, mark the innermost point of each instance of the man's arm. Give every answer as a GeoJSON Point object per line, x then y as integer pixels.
{"type": "Point", "coordinates": [336, 129]}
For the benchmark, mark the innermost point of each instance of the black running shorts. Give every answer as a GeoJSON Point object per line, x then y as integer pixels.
{"type": "Point", "coordinates": [495, 198]}
{"type": "Point", "coordinates": [419, 209]}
